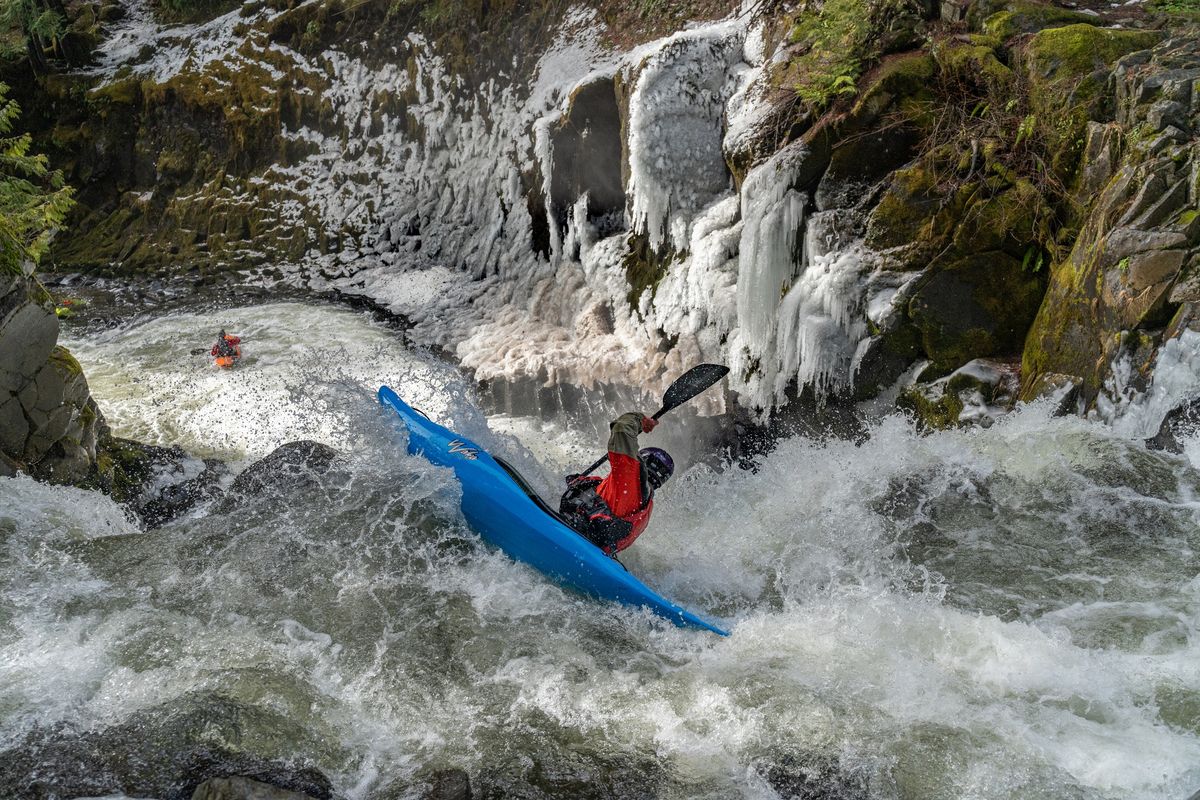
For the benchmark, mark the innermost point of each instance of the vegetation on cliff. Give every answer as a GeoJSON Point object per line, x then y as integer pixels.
{"type": "Point", "coordinates": [34, 200]}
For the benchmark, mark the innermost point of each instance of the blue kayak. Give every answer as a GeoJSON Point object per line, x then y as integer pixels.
{"type": "Point", "coordinates": [501, 506]}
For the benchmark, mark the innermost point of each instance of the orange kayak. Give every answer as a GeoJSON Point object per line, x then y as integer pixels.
{"type": "Point", "coordinates": [225, 362]}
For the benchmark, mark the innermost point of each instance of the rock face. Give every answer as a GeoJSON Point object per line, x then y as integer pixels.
{"type": "Point", "coordinates": [1132, 269]}
{"type": "Point", "coordinates": [48, 420]}
{"type": "Point", "coordinates": [52, 428]}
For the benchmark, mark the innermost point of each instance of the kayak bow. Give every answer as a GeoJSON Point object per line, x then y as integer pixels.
{"type": "Point", "coordinates": [500, 505]}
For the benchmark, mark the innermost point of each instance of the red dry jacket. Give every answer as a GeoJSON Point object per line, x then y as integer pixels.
{"type": "Point", "coordinates": [624, 490]}
{"type": "Point", "coordinates": [230, 340]}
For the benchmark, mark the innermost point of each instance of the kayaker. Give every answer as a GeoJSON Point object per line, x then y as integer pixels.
{"type": "Point", "coordinates": [612, 512]}
{"type": "Point", "coordinates": [226, 345]}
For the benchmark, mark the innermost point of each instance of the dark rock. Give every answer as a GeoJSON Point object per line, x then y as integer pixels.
{"type": "Point", "coordinates": [976, 393]}
{"type": "Point", "coordinates": [1100, 156]}
{"type": "Point", "coordinates": [153, 481]}
{"type": "Point", "coordinates": [1166, 113]}
{"type": "Point", "coordinates": [1187, 284]}
{"type": "Point", "coordinates": [173, 500]}
{"type": "Point", "coordinates": [975, 307]}
{"type": "Point", "coordinates": [885, 358]}
{"type": "Point", "coordinates": [243, 789]}
{"type": "Point", "coordinates": [857, 164]}
{"type": "Point", "coordinates": [815, 779]}
{"type": "Point", "coordinates": [1064, 387]}
{"type": "Point", "coordinates": [587, 153]}
{"type": "Point", "coordinates": [159, 753]}
{"type": "Point", "coordinates": [1171, 202]}
{"type": "Point", "coordinates": [449, 784]}
{"type": "Point", "coordinates": [289, 465]}
{"type": "Point", "coordinates": [1181, 422]}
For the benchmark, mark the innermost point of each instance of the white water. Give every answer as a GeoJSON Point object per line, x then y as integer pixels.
{"type": "Point", "coordinates": [998, 613]}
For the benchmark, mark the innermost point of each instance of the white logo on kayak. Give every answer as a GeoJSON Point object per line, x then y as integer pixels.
{"type": "Point", "coordinates": [469, 453]}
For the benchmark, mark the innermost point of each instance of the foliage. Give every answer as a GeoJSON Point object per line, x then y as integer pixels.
{"type": "Point", "coordinates": [192, 10]}
{"type": "Point", "coordinates": [838, 39]}
{"type": "Point", "coordinates": [984, 139]}
{"type": "Point", "coordinates": [432, 12]}
{"type": "Point", "coordinates": [40, 23]}
{"type": "Point", "coordinates": [33, 199]}
{"type": "Point", "coordinates": [1185, 8]}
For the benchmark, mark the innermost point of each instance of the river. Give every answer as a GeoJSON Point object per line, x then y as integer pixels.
{"type": "Point", "coordinates": [1007, 612]}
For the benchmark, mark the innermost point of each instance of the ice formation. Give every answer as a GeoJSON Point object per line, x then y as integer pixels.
{"type": "Point", "coordinates": [438, 225]}
{"type": "Point", "coordinates": [1138, 413]}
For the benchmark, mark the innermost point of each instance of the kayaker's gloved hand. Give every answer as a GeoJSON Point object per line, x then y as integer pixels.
{"type": "Point", "coordinates": [649, 424]}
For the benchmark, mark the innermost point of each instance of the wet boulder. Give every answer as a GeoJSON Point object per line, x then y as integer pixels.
{"type": "Point", "coordinates": [977, 306]}
{"type": "Point", "coordinates": [158, 484]}
{"type": "Point", "coordinates": [162, 752]}
{"type": "Point", "coordinates": [243, 789]}
{"type": "Point", "coordinates": [976, 393]}
{"type": "Point", "coordinates": [448, 784]}
{"type": "Point", "coordinates": [289, 465]}
{"type": "Point", "coordinates": [48, 420]}
{"type": "Point", "coordinates": [1180, 423]}
{"type": "Point", "coordinates": [813, 778]}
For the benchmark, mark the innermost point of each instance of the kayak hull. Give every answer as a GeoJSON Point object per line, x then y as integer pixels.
{"type": "Point", "coordinates": [225, 362]}
{"type": "Point", "coordinates": [501, 511]}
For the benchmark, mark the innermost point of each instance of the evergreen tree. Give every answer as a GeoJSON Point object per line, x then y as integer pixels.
{"type": "Point", "coordinates": [43, 23]}
{"type": "Point", "coordinates": [34, 199]}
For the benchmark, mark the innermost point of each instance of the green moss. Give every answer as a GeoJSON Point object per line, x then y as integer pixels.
{"type": "Point", "coordinates": [976, 306]}
{"type": "Point", "coordinates": [934, 414]}
{"type": "Point", "coordinates": [905, 211]}
{"type": "Point", "coordinates": [1074, 51]}
{"type": "Point", "coordinates": [127, 91]}
{"type": "Point", "coordinates": [1008, 221]}
{"type": "Point", "coordinates": [1067, 69]}
{"type": "Point", "coordinates": [975, 64]}
{"type": "Point", "coordinates": [1027, 17]}
{"type": "Point", "coordinates": [903, 77]}
{"type": "Point", "coordinates": [124, 467]}
{"type": "Point", "coordinates": [191, 11]}
{"type": "Point", "coordinates": [66, 363]}
{"type": "Point", "coordinates": [1185, 9]}
{"type": "Point", "coordinates": [644, 268]}
{"type": "Point", "coordinates": [836, 41]}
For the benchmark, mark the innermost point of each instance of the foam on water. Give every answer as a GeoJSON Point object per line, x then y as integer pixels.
{"type": "Point", "coordinates": [307, 371]}
{"type": "Point", "coordinates": [998, 613]}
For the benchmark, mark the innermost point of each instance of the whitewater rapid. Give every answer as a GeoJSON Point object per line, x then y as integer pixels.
{"type": "Point", "coordinates": [999, 613]}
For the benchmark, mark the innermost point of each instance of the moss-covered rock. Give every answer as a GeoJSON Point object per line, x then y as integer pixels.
{"type": "Point", "coordinates": [1004, 20]}
{"type": "Point", "coordinates": [933, 410]}
{"type": "Point", "coordinates": [975, 306]}
{"type": "Point", "coordinates": [906, 212]}
{"type": "Point", "coordinates": [975, 393]}
{"type": "Point", "coordinates": [1068, 72]}
{"type": "Point", "coordinates": [974, 63]}
{"type": "Point", "coordinates": [645, 267]}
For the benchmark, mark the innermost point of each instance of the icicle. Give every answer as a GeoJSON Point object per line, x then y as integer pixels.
{"type": "Point", "coordinates": [773, 212]}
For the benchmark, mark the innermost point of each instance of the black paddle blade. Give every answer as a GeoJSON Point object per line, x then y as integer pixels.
{"type": "Point", "coordinates": [690, 384]}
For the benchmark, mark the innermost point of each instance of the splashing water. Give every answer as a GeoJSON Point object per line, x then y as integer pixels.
{"type": "Point", "coordinates": [998, 613]}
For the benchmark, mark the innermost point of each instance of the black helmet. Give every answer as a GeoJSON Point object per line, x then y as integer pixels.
{"type": "Point", "coordinates": [222, 333]}
{"type": "Point", "coordinates": [658, 463]}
